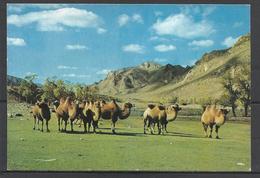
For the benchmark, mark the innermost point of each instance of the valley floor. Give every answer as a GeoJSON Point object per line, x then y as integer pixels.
{"type": "Point", "coordinates": [183, 149]}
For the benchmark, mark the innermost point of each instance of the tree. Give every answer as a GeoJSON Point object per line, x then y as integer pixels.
{"type": "Point", "coordinates": [231, 97]}
{"type": "Point", "coordinates": [48, 89]}
{"type": "Point", "coordinates": [28, 89]}
{"type": "Point", "coordinates": [244, 88]}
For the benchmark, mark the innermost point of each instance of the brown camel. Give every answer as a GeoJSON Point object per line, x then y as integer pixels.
{"type": "Point", "coordinates": [213, 116]}
{"type": "Point", "coordinates": [68, 110]}
{"type": "Point", "coordinates": [41, 112]}
{"type": "Point", "coordinates": [159, 115]}
{"type": "Point", "coordinates": [111, 111]}
{"type": "Point", "coordinates": [91, 115]}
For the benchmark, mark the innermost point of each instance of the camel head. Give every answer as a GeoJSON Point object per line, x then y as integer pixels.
{"type": "Point", "coordinates": [125, 111]}
{"type": "Point", "coordinates": [223, 113]}
{"type": "Point", "coordinates": [176, 107]}
{"type": "Point", "coordinates": [172, 112]}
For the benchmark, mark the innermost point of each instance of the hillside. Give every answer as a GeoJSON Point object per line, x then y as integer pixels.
{"type": "Point", "coordinates": [13, 81]}
{"type": "Point", "coordinates": [151, 82]}
{"type": "Point", "coordinates": [131, 79]}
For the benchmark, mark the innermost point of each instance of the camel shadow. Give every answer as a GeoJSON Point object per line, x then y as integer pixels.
{"type": "Point", "coordinates": [121, 134]}
{"type": "Point", "coordinates": [180, 134]}
{"type": "Point", "coordinates": [73, 132]}
{"type": "Point", "coordinates": [109, 128]}
{"type": "Point", "coordinates": [99, 132]}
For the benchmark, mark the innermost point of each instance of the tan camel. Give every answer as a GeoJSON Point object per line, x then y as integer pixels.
{"type": "Point", "coordinates": [159, 115]}
{"type": "Point", "coordinates": [213, 116]}
{"type": "Point", "coordinates": [41, 112]}
{"type": "Point", "coordinates": [111, 111]}
{"type": "Point", "coordinates": [91, 114]}
{"type": "Point", "coordinates": [67, 110]}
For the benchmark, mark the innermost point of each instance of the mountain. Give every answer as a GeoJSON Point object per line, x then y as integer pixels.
{"type": "Point", "coordinates": [130, 79]}
{"type": "Point", "coordinates": [13, 81]}
{"type": "Point", "coordinates": [152, 82]}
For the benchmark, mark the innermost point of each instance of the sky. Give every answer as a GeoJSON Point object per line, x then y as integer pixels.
{"type": "Point", "coordinates": [81, 43]}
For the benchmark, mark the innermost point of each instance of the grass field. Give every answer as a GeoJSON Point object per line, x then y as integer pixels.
{"type": "Point", "coordinates": [183, 149]}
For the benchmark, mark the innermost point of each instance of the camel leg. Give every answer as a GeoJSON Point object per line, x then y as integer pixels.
{"type": "Point", "coordinates": [65, 129]}
{"type": "Point", "coordinates": [152, 127]}
{"type": "Point", "coordinates": [62, 128]}
{"type": "Point", "coordinates": [162, 128]}
{"type": "Point", "coordinates": [113, 127]}
{"type": "Point", "coordinates": [159, 128]}
{"type": "Point", "coordinates": [113, 124]}
{"type": "Point", "coordinates": [89, 125]}
{"type": "Point", "coordinates": [47, 126]}
{"type": "Point", "coordinates": [42, 125]}
{"type": "Point", "coordinates": [205, 129]}
{"type": "Point", "coordinates": [145, 120]}
{"type": "Point", "coordinates": [85, 126]}
{"type": "Point", "coordinates": [38, 121]}
{"type": "Point", "coordinates": [217, 127]}
{"type": "Point", "coordinates": [34, 122]}
{"type": "Point", "coordinates": [94, 124]}
{"type": "Point", "coordinates": [211, 129]}
{"type": "Point", "coordinates": [166, 127]}
{"type": "Point", "coordinates": [59, 123]}
{"type": "Point", "coordinates": [71, 125]}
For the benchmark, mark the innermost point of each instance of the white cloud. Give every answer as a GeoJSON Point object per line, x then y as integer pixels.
{"type": "Point", "coordinates": [201, 43]}
{"type": "Point", "coordinates": [157, 38]}
{"type": "Point", "coordinates": [137, 18]}
{"type": "Point", "coordinates": [30, 73]}
{"type": "Point", "coordinates": [183, 26]}
{"type": "Point", "coordinates": [66, 67]}
{"type": "Point", "coordinates": [76, 76]}
{"type": "Point", "coordinates": [15, 42]}
{"type": "Point", "coordinates": [104, 71]}
{"type": "Point", "coordinates": [229, 41]}
{"type": "Point", "coordinates": [76, 47]}
{"type": "Point", "coordinates": [22, 7]}
{"type": "Point", "coordinates": [134, 48]}
{"type": "Point", "coordinates": [123, 19]}
{"type": "Point", "coordinates": [56, 20]}
{"type": "Point", "coordinates": [237, 24]}
{"type": "Point", "coordinates": [101, 30]}
{"type": "Point", "coordinates": [160, 60]}
{"type": "Point", "coordinates": [164, 48]}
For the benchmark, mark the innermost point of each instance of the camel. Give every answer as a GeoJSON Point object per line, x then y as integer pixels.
{"type": "Point", "coordinates": [111, 111]}
{"type": "Point", "coordinates": [159, 115]}
{"type": "Point", "coordinates": [213, 116]}
{"type": "Point", "coordinates": [91, 114]}
{"type": "Point", "coordinates": [68, 110]}
{"type": "Point", "coordinates": [41, 112]}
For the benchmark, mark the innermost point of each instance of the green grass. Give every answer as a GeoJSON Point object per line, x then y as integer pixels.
{"type": "Point", "coordinates": [183, 149]}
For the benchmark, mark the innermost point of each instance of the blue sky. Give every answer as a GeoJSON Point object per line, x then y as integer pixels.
{"type": "Point", "coordinates": [81, 43]}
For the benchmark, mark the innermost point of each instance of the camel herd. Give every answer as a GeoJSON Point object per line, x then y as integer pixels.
{"type": "Point", "coordinates": [90, 112]}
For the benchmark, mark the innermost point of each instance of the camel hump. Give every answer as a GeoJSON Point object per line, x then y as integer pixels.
{"type": "Point", "coordinates": [151, 106]}
{"type": "Point", "coordinates": [161, 107]}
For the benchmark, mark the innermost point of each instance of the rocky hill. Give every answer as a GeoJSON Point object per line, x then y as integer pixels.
{"type": "Point", "coordinates": [128, 80]}
{"type": "Point", "coordinates": [153, 82]}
